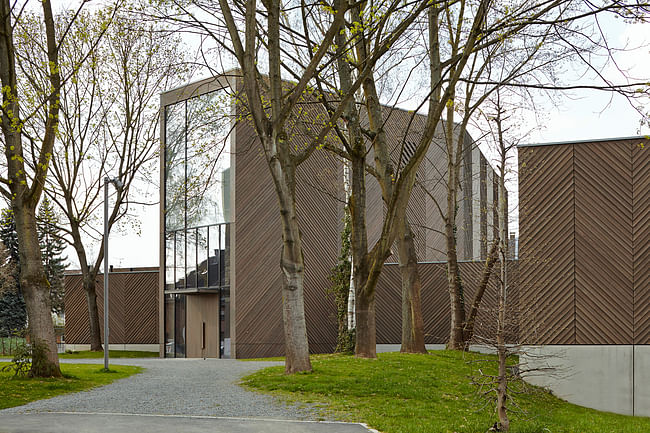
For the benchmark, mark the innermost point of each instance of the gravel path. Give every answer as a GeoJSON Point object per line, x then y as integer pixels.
{"type": "Point", "coordinates": [174, 387]}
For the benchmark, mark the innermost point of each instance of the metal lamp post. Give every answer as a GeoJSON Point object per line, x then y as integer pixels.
{"type": "Point", "coordinates": [117, 184]}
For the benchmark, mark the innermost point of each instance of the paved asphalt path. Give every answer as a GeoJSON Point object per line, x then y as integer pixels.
{"type": "Point", "coordinates": [172, 395]}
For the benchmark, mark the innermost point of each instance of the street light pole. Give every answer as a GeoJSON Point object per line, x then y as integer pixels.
{"type": "Point", "coordinates": [117, 184]}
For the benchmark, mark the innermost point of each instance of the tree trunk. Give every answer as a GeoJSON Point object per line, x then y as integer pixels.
{"type": "Point", "coordinates": [295, 328]}
{"type": "Point", "coordinates": [455, 287]}
{"type": "Point", "coordinates": [366, 344]}
{"type": "Point", "coordinates": [36, 291]}
{"type": "Point", "coordinates": [502, 382]}
{"type": "Point", "coordinates": [468, 331]}
{"type": "Point", "coordinates": [293, 268]}
{"type": "Point", "coordinates": [412, 322]}
{"type": "Point", "coordinates": [502, 386]}
{"type": "Point", "coordinates": [93, 315]}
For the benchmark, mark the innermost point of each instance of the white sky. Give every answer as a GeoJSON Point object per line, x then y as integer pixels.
{"type": "Point", "coordinates": [580, 115]}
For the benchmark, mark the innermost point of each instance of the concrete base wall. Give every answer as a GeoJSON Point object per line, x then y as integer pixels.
{"type": "Point", "coordinates": [396, 347]}
{"type": "Point", "coordinates": [609, 378]}
{"type": "Point", "coordinates": [139, 347]}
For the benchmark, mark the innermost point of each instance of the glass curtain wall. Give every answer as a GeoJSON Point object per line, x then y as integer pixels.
{"type": "Point", "coordinates": [197, 209]}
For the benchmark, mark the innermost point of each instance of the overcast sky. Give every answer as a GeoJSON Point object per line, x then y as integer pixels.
{"type": "Point", "coordinates": [580, 115]}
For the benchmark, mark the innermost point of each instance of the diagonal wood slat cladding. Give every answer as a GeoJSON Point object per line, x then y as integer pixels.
{"type": "Point", "coordinates": [140, 313]}
{"type": "Point", "coordinates": [640, 150]}
{"type": "Point", "coordinates": [133, 308]}
{"type": "Point", "coordinates": [76, 321]}
{"type": "Point", "coordinates": [258, 279]}
{"type": "Point", "coordinates": [603, 244]}
{"type": "Point", "coordinates": [257, 282]}
{"type": "Point", "coordinates": [546, 257]}
{"type": "Point", "coordinates": [436, 303]}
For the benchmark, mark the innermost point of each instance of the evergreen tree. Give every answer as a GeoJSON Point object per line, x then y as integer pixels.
{"type": "Point", "coordinates": [52, 246]}
{"type": "Point", "coordinates": [13, 314]}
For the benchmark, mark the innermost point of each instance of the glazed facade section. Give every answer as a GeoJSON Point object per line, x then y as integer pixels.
{"type": "Point", "coordinates": [197, 217]}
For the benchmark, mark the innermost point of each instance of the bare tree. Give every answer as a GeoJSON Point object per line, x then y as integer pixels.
{"type": "Point", "coordinates": [534, 39]}
{"type": "Point", "coordinates": [108, 127]}
{"type": "Point", "coordinates": [265, 37]}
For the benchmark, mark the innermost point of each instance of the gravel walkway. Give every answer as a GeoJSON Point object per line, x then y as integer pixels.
{"type": "Point", "coordinates": [174, 387]}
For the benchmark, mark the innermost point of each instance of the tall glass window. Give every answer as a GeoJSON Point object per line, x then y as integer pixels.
{"type": "Point", "coordinates": [197, 191]}
{"type": "Point", "coordinates": [197, 210]}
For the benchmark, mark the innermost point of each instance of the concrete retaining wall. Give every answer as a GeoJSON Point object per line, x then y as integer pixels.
{"type": "Point", "coordinates": [614, 378]}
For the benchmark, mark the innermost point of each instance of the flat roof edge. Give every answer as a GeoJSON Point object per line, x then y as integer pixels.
{"type": "Point", "coordinates": [593, 140]}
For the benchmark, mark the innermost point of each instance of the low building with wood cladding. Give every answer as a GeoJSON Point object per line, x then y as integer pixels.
{"type": "Point", "coordinates": [220, 230]}
{"type": "Point", "coordinates": [133, 309]}
{"type": "Point", "coordinates": [584, 264]}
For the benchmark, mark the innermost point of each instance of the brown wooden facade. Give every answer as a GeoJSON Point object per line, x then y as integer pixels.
{"type": "Point", "coordinates": [253, 314]}
{"type": "Point", "coordinates": [585, 242]}
{"type": "Point", "coordinates": [133, 307]}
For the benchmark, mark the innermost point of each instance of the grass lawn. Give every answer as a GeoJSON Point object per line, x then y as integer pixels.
{"type": "Point", "coordinates": [85, 354]}
{"type": "Point", "coordinates": [426, 393]}
{"type": "Point", "coordinates": [16, 391]}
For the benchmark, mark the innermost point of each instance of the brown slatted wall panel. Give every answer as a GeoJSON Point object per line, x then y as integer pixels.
{"type": "Point", "coordinates": [258, 246]}
{"type": "Point", "coordinates": [76, 311]}
{"type": "Point", "coordinates": [320, 211]}
{"type": "Point", "coordinates": [485, 325]}
{"type": "Point", "coordinates": [486, 321]}
{"type": "Point", "coordinates": [140, 309]}
{"type": "Point", "coordinates": [641, 240]}
{"type": "Point", "coordinates": [435, 185]}
{"type": "Point", "coordinates": [116, 307]}
{"type": "Point", "coordinates": [133, 308]}
{"type": "Point", "coordinates": [258, 281]}
{"type": "Point", "coordinates": [546, 256]}
{"type": "Point", "coordinates": [388, 298]}
{"type": "Point", "coordinates": [603, 243]}
{"type": "Point", "coordinates": [436, 304]}
{"type": "Point", "coordinates": [512, 302]}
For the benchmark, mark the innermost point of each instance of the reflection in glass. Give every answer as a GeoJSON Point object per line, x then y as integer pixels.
{"type": "Point", "coordinates": [202, 257]}
{"type": "Point", "coordinates": [180, 326]}
{"type": "Point", "coordinates": [175, 166]}
{"type": "Point", "coordinates": [190, 262]}
{"type": "Point", "coordinates": [179, 265]}
{"type": "Point", "coordinates": [169, 326]}
{"type": "Point", "coordinates": [225, 248]}
{"type": "Point", "coordinates": [224, 324]}
{"type": "Point", "coordinates": [214, 270]}
{"type": "Point", "coordinates": [169, 261]}
{"type": "Point", "coordinates": [208, 155]}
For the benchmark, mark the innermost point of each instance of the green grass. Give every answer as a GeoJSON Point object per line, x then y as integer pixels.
{"type": "Point", "coordinates": [272, 358]}
{"type": "Point", "coordinates": [427, 393]}
{"type": "Point", "coordinates": [85, 354]}
{"type": "Point", "coordinates": [16, 391]}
